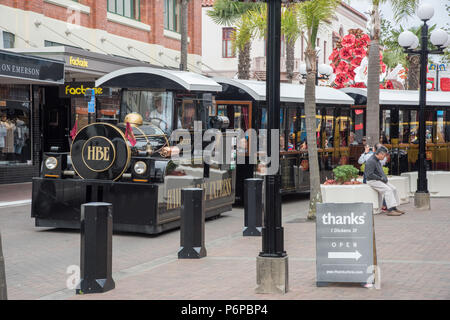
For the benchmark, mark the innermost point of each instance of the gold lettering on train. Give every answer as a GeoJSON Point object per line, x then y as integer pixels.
{"type": "Point", "coordinates": [212, 190]}
{"type": "Point", "coordinates": [98, 153]}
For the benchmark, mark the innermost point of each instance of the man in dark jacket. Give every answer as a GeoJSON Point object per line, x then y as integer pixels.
{"type": "Point", "coordinates": [377, 179]}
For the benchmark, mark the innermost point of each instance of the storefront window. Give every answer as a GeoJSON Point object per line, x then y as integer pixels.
{"type": "Point", "coordinates": [15, 125]}
{"type": "Point", "coordinates": [155, 107]}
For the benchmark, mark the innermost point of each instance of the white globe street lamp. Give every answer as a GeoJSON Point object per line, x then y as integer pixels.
{"type": "Point", "coordinates": [410, 43]}
{"type": "Point", "coordinates": [425, 11]}
{"type": "Point", "coordinates": [303, 69]}
{"type": "Point", "coordinates": [415, 43]}
{"type": "Point", "coordinates": [439, 37]}
{"type": "Point", "coordinates": [406, 39]}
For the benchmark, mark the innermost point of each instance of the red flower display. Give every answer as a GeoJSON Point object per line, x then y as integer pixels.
{"type": "Point", "coordinates": [358, 85]}
{"type": "Point", "coordinates": [341, 78]}
{"type": "Point", "coordinates": [342, 67]}
{"type": "Point", "coordinates": [346, 53]}
{"type": "Point", "coordinates": [389, 85]}
{"type": "Point", "coordinates": [359, 52]}
{"type": "Point", "coordinates": [356, 62]}
{"type": "Point", "coordinates": [349, 40]}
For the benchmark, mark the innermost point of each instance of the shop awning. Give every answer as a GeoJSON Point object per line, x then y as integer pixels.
{"type": "Point", "coordinates": [288, 92]}
{"type": "Point", "coordinates": [401, 97]}
{"type": "Point", "coordinates": [146, 77]}
{"type": "Point", "coordinates": [22, 69]}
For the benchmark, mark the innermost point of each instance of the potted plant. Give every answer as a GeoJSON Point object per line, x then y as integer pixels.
{"type": "Point", "coordinates": [345, 174]}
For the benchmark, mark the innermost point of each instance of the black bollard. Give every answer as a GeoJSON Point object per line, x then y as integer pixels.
{"type": "Point", "coordinates": [253, 203]}
{"type": "Point", "coordinates": [192, 233]}
{"type": "Point", "coordinates": [96, 248]}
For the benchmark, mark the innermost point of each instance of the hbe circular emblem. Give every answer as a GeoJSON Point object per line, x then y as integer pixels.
{"type": "Point", "coordinates": [98, 153]}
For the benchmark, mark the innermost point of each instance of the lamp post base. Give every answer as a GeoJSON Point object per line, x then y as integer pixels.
{"type": "Point", "coordinates": [272, 275]}
{"type": "Point", "coordinates": [422, 200]}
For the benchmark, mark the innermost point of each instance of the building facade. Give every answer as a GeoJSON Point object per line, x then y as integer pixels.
{"type": "Point", "coordinates": [144, 30]}
{"type": "Point", "coordinates": [88, 39]}
{"type": "Point", "coordinates": [218, 58]}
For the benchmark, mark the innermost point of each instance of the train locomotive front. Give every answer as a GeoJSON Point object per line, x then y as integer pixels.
{"type": "Point", "coordinates": [130, 166]}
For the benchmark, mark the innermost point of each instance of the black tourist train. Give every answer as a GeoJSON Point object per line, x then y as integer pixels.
{"type": "Point", "coordinates": [124, 156]}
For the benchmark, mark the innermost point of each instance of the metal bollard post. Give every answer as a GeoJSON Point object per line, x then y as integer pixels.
{"type": "Point", "coordinates": [253, 203]}
{"type": "Point", "coordinates": [96, 248]}
{"type": "Point", "coordinates": [3, 291]}
{"type": "Point", "coordinates": [192, 234]}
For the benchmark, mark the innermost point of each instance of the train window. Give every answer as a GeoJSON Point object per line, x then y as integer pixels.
{"type": "Point", "coordinates": [357, 129]}
{"type": "Point", "coordinates": [385, 134]}
{"type": "Point", "coordinates": [186, 114]}
{"type": "Point", "coordinates": [414, 127]}
{"type": "Point", "coordinates": [344, 128]}
{"type": "Point", "coordinates": [440, 126]}
{"type": "Point", "coordinates": [328, 122]}
{"type": "Point", "coordinates": [430, 126]}
{"type": "Point", "coordinates": [154, 106]}
{"type": "Point", "coordinates": [403, 126]}
{"type": "Point", "coordinates": [237, 114]}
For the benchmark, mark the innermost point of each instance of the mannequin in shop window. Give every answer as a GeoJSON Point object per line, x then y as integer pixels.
{"type": "Point", "coordinates": [10, 126]}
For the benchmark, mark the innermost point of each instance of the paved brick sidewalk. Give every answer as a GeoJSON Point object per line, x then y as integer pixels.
{"type": "Point", "coordinates": [413, 253]}
{"type": "Point", "coordinates": [15, 192]}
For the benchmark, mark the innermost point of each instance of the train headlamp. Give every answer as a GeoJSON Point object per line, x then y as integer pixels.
{"type": "Point", "coordinates": [140, 167]}
{"type": "Point", "coordinates": [51, 163]}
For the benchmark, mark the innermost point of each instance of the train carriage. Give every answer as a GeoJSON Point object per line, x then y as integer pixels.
{"type": "Point", "coordinates": [399, 124]}
{"type": "Point", "coordinates": [127, 158]}
{"type": "Point", "coordinates": [244, 103]}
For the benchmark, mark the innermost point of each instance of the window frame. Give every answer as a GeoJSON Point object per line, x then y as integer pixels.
{"type": "Point", "coordinates": [227, 42]}
{"type": "Point", "coordinates": [134, 4]}
{"type": "Point", "coordinates": [176, 18]}
{"type": "Point", "coordinates": [12, 37]}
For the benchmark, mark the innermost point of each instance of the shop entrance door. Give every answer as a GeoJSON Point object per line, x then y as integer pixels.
{"type": "Point", "coordinates": [55, 120]}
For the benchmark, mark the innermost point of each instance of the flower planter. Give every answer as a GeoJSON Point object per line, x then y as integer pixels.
{"type": "Point", "coordinates": [349, 194]}
{"type": "Point", "coordinates": [438, 183]}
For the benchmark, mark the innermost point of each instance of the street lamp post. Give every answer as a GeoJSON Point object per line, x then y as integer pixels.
{"type": "Point", "coordinates": [272, 262]}
{"type": "Point", "coordinates": [410, 43]}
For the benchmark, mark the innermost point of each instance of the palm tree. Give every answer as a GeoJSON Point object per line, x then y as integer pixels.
{"type": "Point", "coordinates": [290, 28]}
{"type": "Point", "coordinates": [313, 14]}
{"type": "Point", "coordinates": [184, 35]}
{"type": "Point", "coordinates": [229, 12]}
{"type": "Point", "coordinates": [401, 9]}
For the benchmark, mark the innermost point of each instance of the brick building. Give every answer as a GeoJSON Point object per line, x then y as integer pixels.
{"type": "Point", "coordinates": [91, 38]}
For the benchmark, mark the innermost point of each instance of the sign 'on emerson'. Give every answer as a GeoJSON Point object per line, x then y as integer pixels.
{"type": "Point", "coordinates": [344, 242]}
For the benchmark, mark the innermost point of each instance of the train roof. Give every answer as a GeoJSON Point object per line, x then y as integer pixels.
{"type": "Point", "coordinates": [288, 92]}
{"type": "Point", "coordinates": [147, 77]}
{"type": "Point", "coordinates": [401, 97]}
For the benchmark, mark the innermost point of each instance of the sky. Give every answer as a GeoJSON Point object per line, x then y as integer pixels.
{"type": "Point", "coordinates": [440, 17]}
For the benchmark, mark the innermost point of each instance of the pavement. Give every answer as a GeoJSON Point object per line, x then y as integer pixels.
{"type": "Point", "coordinates": [413, 254]}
